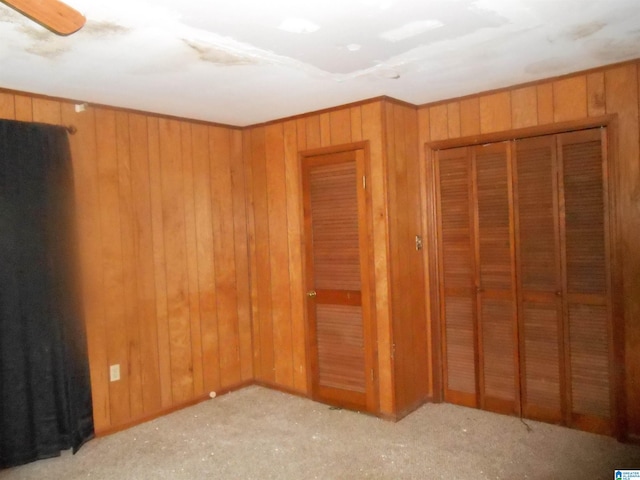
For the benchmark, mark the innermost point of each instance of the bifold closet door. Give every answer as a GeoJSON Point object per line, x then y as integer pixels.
{"type": "Point", "coordinates": [539, 278]}
{"type": "Point", "coordinates": [495, 279]}
{"type": "Point", "coordinates": [587, 293]}
{"type": "Point", "coordinates": [525, 292]}
{"type": "Point", "coordinates": [457, 278]}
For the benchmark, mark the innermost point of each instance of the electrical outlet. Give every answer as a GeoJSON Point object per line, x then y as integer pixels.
{"type": "Point", "coordinates": [114, 372]}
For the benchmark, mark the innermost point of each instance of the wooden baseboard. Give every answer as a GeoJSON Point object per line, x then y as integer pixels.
{"type": "Point", "coordinates": [166, 411]}
{"type": "Point", "coordinates": [280, 388]}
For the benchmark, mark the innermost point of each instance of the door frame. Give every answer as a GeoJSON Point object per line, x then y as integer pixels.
{"type": "Point", "coordinates": [616, 341]}
{"type": "Point", "coordinates": [367, 273]}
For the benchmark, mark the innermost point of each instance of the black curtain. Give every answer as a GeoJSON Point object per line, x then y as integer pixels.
{"type": "Point", "coordinates": [45, 392]}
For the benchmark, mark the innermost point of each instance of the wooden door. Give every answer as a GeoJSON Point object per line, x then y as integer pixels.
{"type": "Point", "coordinates": [586, 292]}
{"type": "Point", "coordinates": [495, 279]}
{"type": "Point", "coordinates": [539, 278]}
{"type": "Point", "coordinates": [340, 330]}
{"type": "Point", "coordinates": [457, 276]}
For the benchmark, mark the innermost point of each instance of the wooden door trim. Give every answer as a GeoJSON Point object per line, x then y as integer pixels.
{"type": "Point", "coordinates": [361, 153]}
{"type": "Point", "coordinates": [611, 123]}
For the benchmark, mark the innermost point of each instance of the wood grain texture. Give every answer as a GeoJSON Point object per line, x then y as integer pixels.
{"type": "Point", "coordinates": [524, 112]}
{"type": "Point", "coordinates": [570, 98]}
{"type": "Point", "coordinates": [469, 116]}
{"type": "Point", "coordinates": [279, 254]}
{"type": "Point", "coordinates": [411, 355]}
{"type": "Point", "coordinates": [622, 98]}
{"type": "Point", "coordinates": [439, 122]}
{"type": "Point", "coordinates": [453, 119]}
{"type": "Point", "coordinates": [495, 112]}
{"type": "Point", "coordinates": [292, 139]}
{"type": "Point", "coordinates": [146, 246]}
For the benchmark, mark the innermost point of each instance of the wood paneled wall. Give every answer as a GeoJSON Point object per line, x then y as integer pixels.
{"type": "Point", "coordinates": [411, 345]}
{"type": "Point", "coordinates": [612, 90]}
{"type": "Point", "coordinates": [162, 229]}
{"type": "Point", "coordinates": [275, 229]}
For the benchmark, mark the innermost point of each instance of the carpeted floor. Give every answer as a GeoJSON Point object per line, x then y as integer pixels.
{"type": "Point", "coordinates": [257, 433]}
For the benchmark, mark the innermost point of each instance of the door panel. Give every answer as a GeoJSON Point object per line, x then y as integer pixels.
{"type": "Point", "coordinates": [495, 279]}
{"type": "Point", "coordinates": [457, 288]}
{"type": "Point", "coordinates": [539, 278]}
{"type": "Point", "coordinates": [587, 303]}
{"type": "Point", "coordinates": [340, 330]}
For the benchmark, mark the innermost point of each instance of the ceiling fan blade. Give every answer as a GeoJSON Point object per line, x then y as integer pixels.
{"type": "Point", "coordinates": [58, 17]}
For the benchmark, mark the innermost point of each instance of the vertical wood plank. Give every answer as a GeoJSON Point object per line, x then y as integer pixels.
{"type": "Point", "coordinates": [325, 129]}
{"type": "Point", "coordinates": [224, 248]}
{"type": "Point", "coordinates": [356, 124]}
{"type": "Point", "coordinates": [372, 130]}
{"type": "Point", "coordinates": [128, 234]}
{"type": "Point", "coordinates": [301, 135]}
{"type": "Point", "coordinates": [439, 122]}
{"type": "Point", "coordinates": [495, 112]}
{"type": "Point", "coordinates": [46, 111]}
{"type": "Point", "coordinates": [24, 108]}
{"type": "Point", "coordinates": [279, 255]}
{"type": "Point", "coordinates": [296, 278]}
{"type": "Point", "coordinates": [470, 116]}
{"type": "Point", "coordinates": [247, 158]}
{"type": "Point", "coordinates": [524, 107]}
{"type": "Point", "coordinates": [570, 98]}
{"type": "Point", "coordinates": [191, 250]}
{"type": "Point", "coordinates": [146, 295]}
{"type": "Point", "coordinates": [453, 119]}
{"type": "Point", "coordinates": [262, 246]}
{"type": "Point", "coordinates": [159, 262]}
{"type": "Point", "coordinates": [175, 260]}
{"type": "Point", "coordinates": [115, 315]}
{"type": "Point", "coordinates": [622, 98]}
{"type": "Point", "coordinates": [545, 103]}
{"type": "Point", "coordinates": [596, 100]}
{"type": "Point", "coordinates": [83, 152]}
{"type": "Point", "coordinates": [206, 257]}
{"type": "Point", "coordinates": [423, 128]}
{"type": "Point", "coordinates": [340, 121]}
{"type": "Point", "coordinates": [241, 258]}
{"type": "Point", "coordinates": [7, 106]}
{"type": "Point", "coordinates": [313, 131]}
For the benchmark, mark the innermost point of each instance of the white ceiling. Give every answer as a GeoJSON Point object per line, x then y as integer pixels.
{"type": "Point", "coordinates": [242, 62]}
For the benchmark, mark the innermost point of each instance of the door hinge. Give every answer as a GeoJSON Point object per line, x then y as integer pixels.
{"type": "Point", "coordinates": [364, 182]}
{"type": "Point", "coordinates": [372, 377]}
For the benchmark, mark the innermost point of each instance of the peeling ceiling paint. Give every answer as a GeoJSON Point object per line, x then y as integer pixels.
{"type": "Point", "coordinates": [248, 61]}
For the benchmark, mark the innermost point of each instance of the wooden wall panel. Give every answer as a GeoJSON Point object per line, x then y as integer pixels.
{"type": "Point", "coordinates": [495, 112]}
{"type": "Point", "coordinates": [523, 107]}
{"type": "Point", "coordinates": [145, 191]}
{"type": "Point", "coordinates": [612, 91]}
{"type": "Point", "coordinates": [408, 308]}
{"type": "Point", "coordinates": [570, 98]}
{"type": "Point", "coordinates": [622, 84]}
{"type": "Point", "coordinates": [275, 249]}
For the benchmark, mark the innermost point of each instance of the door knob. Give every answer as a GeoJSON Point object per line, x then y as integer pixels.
{"type": "Point", "coordinates": [311, 293]}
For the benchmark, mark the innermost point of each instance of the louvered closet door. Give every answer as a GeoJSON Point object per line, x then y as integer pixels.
{"type": "Point", "coordinates": [338, 327]}
{"type": "Point", "coordinates": [539, 278]}
{"type": "Point", "coordinates": [496, 305]}
{"type": "Point", "coordinates": [457, 285]}
{"type": "Point", "coordinates": [587, 305]}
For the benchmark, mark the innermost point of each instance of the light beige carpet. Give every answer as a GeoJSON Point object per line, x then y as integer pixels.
{"type": "Point", "coordinates": [257, 433]}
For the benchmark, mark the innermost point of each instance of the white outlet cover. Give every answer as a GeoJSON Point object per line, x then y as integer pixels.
{"type": "Point", "coordinates": [114, 372]}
